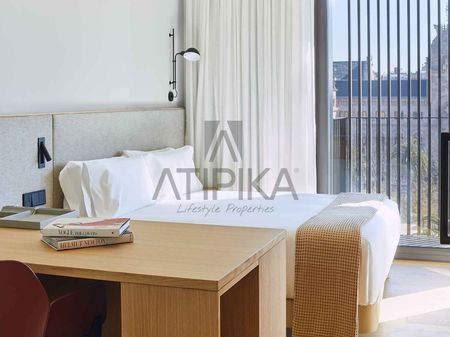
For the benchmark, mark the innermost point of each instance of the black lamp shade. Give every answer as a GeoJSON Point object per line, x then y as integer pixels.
{"type": "Point", "coordinates": [192, 54]}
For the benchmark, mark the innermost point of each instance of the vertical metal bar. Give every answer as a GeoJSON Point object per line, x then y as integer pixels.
{"type": "Point", "coordinates": [439, 90]}
{"type": "Point", "coordinates": [369, 106]}
{"type": "Point", "coordinates": [388, 125]}
{"type": "Point", "coordinates": [419, 116]}
{"type": "Point", "coordinates": [379, 101]}
{"type": "Point", "coordinates": [174, 63]}
{"type": "Point", "coordinates": [359, 98]}
{"type": "Point", "coordinates": [429, 111]}
{"type": "Point", "coordinates": [323, 109]}
{"type": "Point", "coordinates": [399, 96]}
{"type": "Point", "coordinates": [350, 94]}
{"type": "Point", "coordinates": [445, 200]}
{"type": "Point", "coordinates": [444, 139]}
{"type": "Point", "coordinates": [408, 122]}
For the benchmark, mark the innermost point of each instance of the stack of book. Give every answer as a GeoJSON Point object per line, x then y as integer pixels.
{"type": "Point", "coordinates": [67, 233]}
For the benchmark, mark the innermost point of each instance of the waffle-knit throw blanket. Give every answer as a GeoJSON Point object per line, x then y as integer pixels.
{"type": "Point", "coordinates": [327, 262]}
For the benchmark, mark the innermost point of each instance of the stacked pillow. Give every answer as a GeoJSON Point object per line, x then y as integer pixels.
{"type": "Point", "coordinates": [115, 186]}
{"type": "Point", "coordinates": [172, 171]}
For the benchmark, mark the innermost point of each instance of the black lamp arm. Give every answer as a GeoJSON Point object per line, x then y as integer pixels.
{"type": "Point", "coordinates": [45, 152]}
{"type": "Point", "coordinates": [174, 67]}
{"type": "Point", "coordinates": [181, 53]}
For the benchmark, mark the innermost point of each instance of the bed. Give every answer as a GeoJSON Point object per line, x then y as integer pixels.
{"type": "Point", "coordinates": [161, 129]}
{"type": "Point", "coordinates": [82, 136]}
{"type": "Point", "coordinates": [380, 235]}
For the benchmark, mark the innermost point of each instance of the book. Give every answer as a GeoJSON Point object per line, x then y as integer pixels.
{"type": "Point", "coordinates": [87, 227]}
{"type": "Point", "coordinates": [65, 243]}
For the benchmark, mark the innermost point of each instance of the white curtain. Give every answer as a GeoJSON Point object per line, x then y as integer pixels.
{"type": "Point", "coordinates": [257, 66]}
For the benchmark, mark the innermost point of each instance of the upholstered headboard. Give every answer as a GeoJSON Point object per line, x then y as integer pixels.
{"type": "Point", "coordinates": [18, 157]}
{"type": "Point", "coordinates": [77, 136]}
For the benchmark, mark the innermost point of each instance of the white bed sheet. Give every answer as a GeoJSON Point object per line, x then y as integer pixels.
{"type": "Point", "coordinates": [380, 235]}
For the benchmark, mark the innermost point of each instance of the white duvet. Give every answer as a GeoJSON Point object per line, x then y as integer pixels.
{"type": "Point", "coordinates": [380, 235]}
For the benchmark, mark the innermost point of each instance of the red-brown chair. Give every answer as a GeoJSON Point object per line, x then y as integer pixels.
{"type": "Point", "coordinates": [27, 311]}
{"type": "Point", "coordinates": [78, 313]}
{"type": "Point", "coordinates": [24, 306]}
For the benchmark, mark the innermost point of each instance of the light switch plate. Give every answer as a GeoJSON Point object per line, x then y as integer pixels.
{"type": "Point", "coordinates": [33, 199]}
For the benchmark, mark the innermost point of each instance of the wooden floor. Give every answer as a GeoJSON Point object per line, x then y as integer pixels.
{"type": "Point", "coordinates": [416, 301]}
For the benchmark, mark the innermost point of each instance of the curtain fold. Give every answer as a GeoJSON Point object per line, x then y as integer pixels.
{"type": "Point", "coordinates": [257, 67]}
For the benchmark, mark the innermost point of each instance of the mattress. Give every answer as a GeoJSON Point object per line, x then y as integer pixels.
{"type": "Point", "coordinates": [380, 236]}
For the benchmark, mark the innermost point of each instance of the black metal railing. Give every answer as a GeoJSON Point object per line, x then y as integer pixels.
{"type": "Point", "coordinates": [387, 122]}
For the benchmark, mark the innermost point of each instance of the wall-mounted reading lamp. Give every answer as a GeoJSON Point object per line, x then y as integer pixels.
{"type": "Point", "coordinates": [43, 154]}
{"type": "Point", "coordinates": [190, 54]}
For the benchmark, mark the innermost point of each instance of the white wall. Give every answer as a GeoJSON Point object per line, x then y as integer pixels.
{"type": "Point", "coordinates": [71, 55]}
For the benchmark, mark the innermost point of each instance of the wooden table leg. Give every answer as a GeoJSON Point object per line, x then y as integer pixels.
{"type": "Point", "coordinates": [153, 311]}
{"type": "Point", "coordinates": [272, 292]}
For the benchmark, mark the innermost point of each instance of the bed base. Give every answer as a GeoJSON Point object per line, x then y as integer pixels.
{"type": "Point", "coordinates": [369, 315]}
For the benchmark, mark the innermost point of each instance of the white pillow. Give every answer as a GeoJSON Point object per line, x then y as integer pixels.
{"type": "Point", "coordinates": [75, 193]}
{"type": "Point", "coordinates": [181, 158]}
{"type": "Point", "coordinates": [136, 153]}
{"type": "Point", "coordinates": [71, 182]}
{"type": "Point", "coordinates": [119, 186]}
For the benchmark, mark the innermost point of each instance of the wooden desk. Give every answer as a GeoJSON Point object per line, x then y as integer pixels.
{"type": "Point", "coordinates": [176, 280]}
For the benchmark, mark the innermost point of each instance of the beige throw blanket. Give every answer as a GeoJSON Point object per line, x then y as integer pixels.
{"type": "Point", "coordinates": [327, 262]}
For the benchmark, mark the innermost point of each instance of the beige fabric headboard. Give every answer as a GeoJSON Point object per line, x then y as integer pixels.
{"type": "Point", "coordinates": [77, 136]}
{"type": "Point", "coordinates": [19, 171]}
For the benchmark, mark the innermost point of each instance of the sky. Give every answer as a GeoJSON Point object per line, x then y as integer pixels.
{"type": "Point", "coordinates": [340, 31]}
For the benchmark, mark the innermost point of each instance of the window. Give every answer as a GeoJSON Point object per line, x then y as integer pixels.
{"type": "Point", "coordinates": [390, 56]}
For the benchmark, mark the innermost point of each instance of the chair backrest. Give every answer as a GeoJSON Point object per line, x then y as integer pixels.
{"type": "Point", "coordinates": [24, 305]}
{"type": "Point", "coordinates": [75, 313]}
